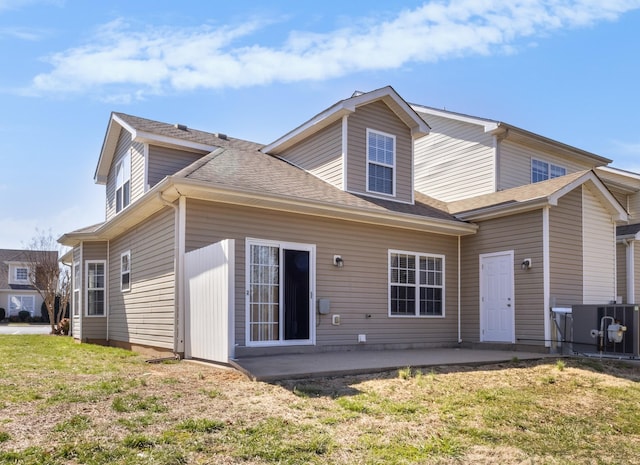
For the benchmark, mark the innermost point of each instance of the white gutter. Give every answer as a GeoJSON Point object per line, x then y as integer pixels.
{"type": "Point", "coordinates": [631, 268]}
{"type": "Point", "coordinates": [546, 278]}
{"type": "Point", "coordinates": [459, 295]}
{"type": "Point", "coordinates": [177, 261]}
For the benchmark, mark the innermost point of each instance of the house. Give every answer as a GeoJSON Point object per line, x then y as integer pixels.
{"type": "Point", "coordinates": [16, 291]}
{"type": "Point", "coordinates": [368, 226]}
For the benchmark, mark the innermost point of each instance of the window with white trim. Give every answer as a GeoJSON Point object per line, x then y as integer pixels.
{"type": "Point", "coordinates": [76, 288]}
{"type": "Point", "coordinates": [125, 271]}
{"type": "Point", "coordinates": [542, 170]}
{"type": "Point", "coordinates": [123, 183]}
{"type": "Point", "coordinates": [381, 162]}
{"type": "Point", "coordinates": [95, 273]}
{"type": "Point", "coordinates": [18, 303]}
{"type": "Point", "coordinates": [416, 284]}
{"type": "Point", "coordinates": [22, 273]}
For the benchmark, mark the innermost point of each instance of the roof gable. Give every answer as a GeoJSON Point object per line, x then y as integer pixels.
{"type": "Point", "coordinates": [387, 95]}
{"type": "Point", "coordinates": [153, 132]}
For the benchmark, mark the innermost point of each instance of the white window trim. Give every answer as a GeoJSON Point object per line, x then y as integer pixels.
{"type": "Point", "coordinates": [393, 167]}
{"type": "Point", "coordinates": [13, 273]}
{"type": "Point", "coordinates": [549, 165]}
{"type": "Point", "coordinates": [20, 296]}
{"type": "Point", "coordinates": [122, 273]}
{"type": "Point", "coordinates": [311, 248]}
{"type": "Point", "coordinates": [86, 289]}
{"type": "Point", "coordinates": [417, 285]}
{"type": "Point", "coordinates": [76, 303]}
{"type": "Point", "coordinates": [125, 161]}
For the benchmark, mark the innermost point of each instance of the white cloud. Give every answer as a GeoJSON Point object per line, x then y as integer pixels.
{"type": "Point", "coordinates": [125, 62]}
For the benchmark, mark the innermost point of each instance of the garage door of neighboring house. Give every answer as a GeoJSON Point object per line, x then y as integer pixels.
{"type": "Point", "coordinates": [209, 288]}
{"type": "Point", "coordinates": [497, 306]}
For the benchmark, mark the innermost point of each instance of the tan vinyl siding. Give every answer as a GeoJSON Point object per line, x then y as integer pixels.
{"type": "Point", "coordinates": [93, 327]}
{"type": "Point", "coordinates": [164, 161]}
{"type": "Point", "coordinates": [599, 251]}
{"type": "Point", "coordinates": [515, 163]}
{"type": "Point", "coordinates": [378, 117]}
{"type": "Point", "coordinates": [455, 161]}
{"type": "Point", "coordinates": [565, 251]}
{"type": "Point", "coordinates": [621, 266]}
{"type": "Point", "coordinates": [634, 207]}
{"type": "Point", "coordinates": [145, 314]}
{"type": "Point", "coordinates": [138, 187]}
{"type": "Point", "coordinates": [357, 289]}
{"type": "Point", "coordinates": [320, 154]}
{"type": "Point", "coordinates": [124, 147]}
{"type": "Point", "coordinates": [522, 234]}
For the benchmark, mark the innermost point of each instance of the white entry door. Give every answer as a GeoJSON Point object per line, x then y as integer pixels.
{"type": "Point", "coordinates": [497, 306]}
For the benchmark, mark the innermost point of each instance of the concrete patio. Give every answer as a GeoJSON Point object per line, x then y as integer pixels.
{"type": "Point", "coordinates": [316, 365]}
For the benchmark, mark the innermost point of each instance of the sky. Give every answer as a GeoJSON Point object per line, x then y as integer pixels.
{"type": "Point", "coordinates": [567, 70]}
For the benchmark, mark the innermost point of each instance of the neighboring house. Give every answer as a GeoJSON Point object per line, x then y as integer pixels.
{"type": "Point", "coordinates": [352, 230]}
{"type": "Point", "coordinates": [16, 291]}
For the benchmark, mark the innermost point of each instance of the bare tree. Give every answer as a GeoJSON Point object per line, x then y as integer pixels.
{"type": "Point", "coordinates": [49, 277]}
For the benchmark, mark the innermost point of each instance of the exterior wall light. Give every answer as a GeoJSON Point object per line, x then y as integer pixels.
{"type": "Point", "coordinates": [338, 261]}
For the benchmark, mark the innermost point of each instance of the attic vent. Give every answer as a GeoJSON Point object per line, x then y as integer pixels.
{"type": "Point", "coordinates": [182, 127]}
{"type": "Point", "coordinates": [357, 93]}
{"type": "Point", "coordinates": [219, 135]}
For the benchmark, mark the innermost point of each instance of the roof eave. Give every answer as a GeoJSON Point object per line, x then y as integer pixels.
{"type": "Point", "coordinates": [205, 191]}
{"type": "Point", "coordinates": [497, 211]}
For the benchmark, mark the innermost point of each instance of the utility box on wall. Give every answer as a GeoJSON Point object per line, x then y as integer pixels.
{"type": "Point", "coordinates": [593, 326]}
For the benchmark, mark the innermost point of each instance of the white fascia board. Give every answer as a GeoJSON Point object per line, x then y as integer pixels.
{"type": "Point", "coordinates": [150, 138]}
{"type": "Point", "coordinates": [488, 125]}
{"type": "Point", "coordinates": [497, 211]}
{"type": "Point", "coordinates": [346, 107]}
{"type": "Point", "coordinates": [620, 172]}
{"type": "Point", "coordinates": [109, 147]}
{"type": "Point", "coordinates": [318, 122]}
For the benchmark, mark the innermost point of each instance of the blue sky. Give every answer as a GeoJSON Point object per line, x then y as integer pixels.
{"type": "Point", "coordinates": [568, 70]}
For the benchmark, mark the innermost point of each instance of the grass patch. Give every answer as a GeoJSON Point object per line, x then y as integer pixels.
{"type": "Point", "coordinates": [201, 425]}
{"type": "Point", "coordinates": [82, 404]}
{"type": "Point", "coordinates": [135, 402]}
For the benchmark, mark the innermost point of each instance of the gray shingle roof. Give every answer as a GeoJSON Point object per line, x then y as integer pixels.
{"type": "Point", "coordinates": [187, 134]}
{"type": "Point", "coordinates": [254, 171]}
{"type": "Point", "coordinates": [628, 229]}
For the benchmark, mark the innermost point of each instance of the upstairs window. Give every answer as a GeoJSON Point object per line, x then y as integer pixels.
{"type": "Point", "coordinates": [381, 162]}
{"type": "Point", "coordinates": [22, 274]}
{"type": "Point", "coordinates": [541, 171]}
{"type": "Point", "coordinates": [123, 183]}
{"type": "Point", "coordinates": [125, 271]}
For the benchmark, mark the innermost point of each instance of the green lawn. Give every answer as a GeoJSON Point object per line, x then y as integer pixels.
{"type": "Point", "coordinates": [64, 403]}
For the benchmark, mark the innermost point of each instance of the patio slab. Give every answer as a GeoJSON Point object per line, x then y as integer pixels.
{"type": "Point", "coordinates": [316, 365]}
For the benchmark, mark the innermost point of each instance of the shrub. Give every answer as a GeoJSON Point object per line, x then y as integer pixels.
{"type": "Point", "coordinates": [3, 314]}
{"type": "Point", "coordinates": [23, 315]}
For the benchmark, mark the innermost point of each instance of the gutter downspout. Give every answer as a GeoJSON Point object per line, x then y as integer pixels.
{"type": "Point", "coordinates": [108, 305]}
{"type": "Point", "coordinates": [631, 268]}
{"type": "Point", "coordinates": [546, 278]}
{"type": "Point", "coordinates": [178, 338]}
{"type": "Point", "coordinates": [459, 294]}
